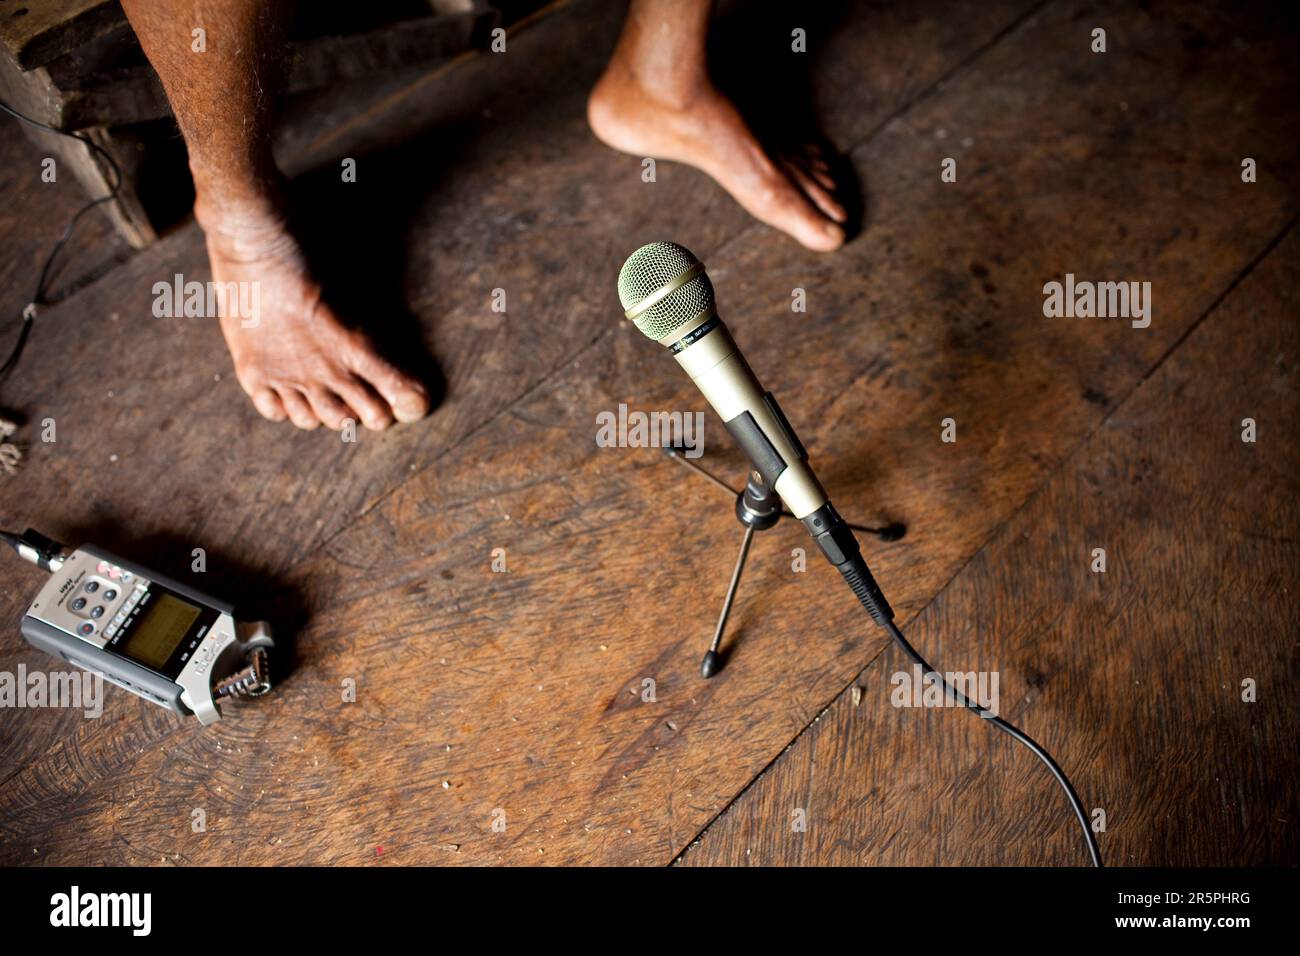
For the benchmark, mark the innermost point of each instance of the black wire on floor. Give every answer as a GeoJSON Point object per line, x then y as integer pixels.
{"type": "Point", "coordinates": [1015, 732]}
{"type": "Point", "coordinates": [47, 269]}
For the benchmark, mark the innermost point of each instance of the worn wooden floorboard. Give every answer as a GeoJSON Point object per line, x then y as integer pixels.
{"type": "Point", "coordinates": [1133, 678]}
{"type": "Point", "coordinates": [522, 692]}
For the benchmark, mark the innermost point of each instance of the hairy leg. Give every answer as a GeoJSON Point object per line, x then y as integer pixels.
{"type": "Point", "coordinates": [299, 361]}
{"type": "Point", "coordinates": [656, 99]}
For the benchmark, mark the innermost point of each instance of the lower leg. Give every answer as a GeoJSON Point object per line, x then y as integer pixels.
{"type": "Point", "coordinates": [299, 360]}
{"type": "Point", "coordinates": [656, 99]}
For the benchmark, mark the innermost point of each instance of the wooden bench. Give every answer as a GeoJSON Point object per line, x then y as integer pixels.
{"type": "Point", "coordinates": [75, 65]}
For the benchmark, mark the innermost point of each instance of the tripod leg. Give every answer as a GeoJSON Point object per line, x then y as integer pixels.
{"type": "Point", "coordinates": [712, 662]}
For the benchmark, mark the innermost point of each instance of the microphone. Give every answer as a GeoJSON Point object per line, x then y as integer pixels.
{"type": "Point", "coordinates": [668, 297]}
{"type": "Point", "coordinates": [666, 294]}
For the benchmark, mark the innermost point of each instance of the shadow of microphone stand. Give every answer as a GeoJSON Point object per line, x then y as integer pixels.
{"type": "Point", "coordinates": [757, 509]}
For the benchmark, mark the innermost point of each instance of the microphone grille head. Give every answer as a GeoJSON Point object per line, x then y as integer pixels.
{"type": "Point", "coordinates": [649, 270]}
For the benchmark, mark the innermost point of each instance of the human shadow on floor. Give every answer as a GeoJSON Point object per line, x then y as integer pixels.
{"type": "Point", "coordinates": [355, 236]}
{"type": "Point", "coordinates": [754, 62]}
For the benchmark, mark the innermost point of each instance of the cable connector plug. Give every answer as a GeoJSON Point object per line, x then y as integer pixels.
{"type": "Point", "coordinates": [863, 583]}
{"type": "Point", "coordinates": [33, 546]}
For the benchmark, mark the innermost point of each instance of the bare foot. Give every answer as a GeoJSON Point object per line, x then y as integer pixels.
{"type": "Point", "coordinates": [297, 360]}
{"type": "Point", "coordinates": [702, 128]}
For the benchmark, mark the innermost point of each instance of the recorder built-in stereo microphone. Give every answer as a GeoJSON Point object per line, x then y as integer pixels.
{"type": "Point", "coordinates": [667, 295]}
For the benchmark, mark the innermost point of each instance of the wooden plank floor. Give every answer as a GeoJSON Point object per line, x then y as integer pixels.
{"type": "Point", "coordinates": [520, 695]}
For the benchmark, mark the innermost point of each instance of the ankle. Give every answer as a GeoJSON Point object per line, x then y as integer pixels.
{"type": "Point", "coordinates": [244, 227]}
{"type": "Point", "coordinates": [677, 89]}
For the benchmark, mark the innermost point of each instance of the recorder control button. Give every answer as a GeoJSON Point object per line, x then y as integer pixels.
{"type": "Point", "coordinates": [86, 628]}
{"type": "Point", "coordinates": [102, 567]}
{"type": "Point", "coordinates": [110, 630]}
{"type": "Point", "coordinates": [78, 604]}
{"type": "Point", "coordinates": [97, 611]}
{"type": "Point", "coordinates": [110, 594]}
{"type": "Point", "coordinates": [92, 587]}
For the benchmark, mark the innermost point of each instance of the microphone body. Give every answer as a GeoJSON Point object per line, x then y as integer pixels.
{"type": "Point", "coordinates": [752, 416]}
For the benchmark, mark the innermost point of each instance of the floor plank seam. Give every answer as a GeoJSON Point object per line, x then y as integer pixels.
{"type": "Point", "coordinates": [1232, 286]}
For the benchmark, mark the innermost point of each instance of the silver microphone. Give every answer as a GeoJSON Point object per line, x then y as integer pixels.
{"type": "Point", "coordinates": [666, 294]}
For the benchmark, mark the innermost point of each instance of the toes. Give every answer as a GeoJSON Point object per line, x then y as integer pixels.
{"type": "Point", "coordinates": [372, 410]}
{"type": "Point", "coordinates": [816, 231]}
{"type": "Point", "coordinates": [268, 404]}
{"type": "Point", "coordinates": [771, 191]}
{"type": "Point", "coordinates": [818, 190]}
{"type": "Point", "coordinates": [822, 173]}
{"type": "Point", "coordinates": [784, 207]}
{"type": "Point", "coordinates": [814, 155]}
{"type": "Point", "coordinates": [332, 411]}
{"type": "Point", "coordinates": [814, 160]}
{"type": "Point", "coordinates": [299, 410]}
{"type": "Point", "coordinates": [407, 398]}
{"type": "Point", "coordinates": [827, 238]}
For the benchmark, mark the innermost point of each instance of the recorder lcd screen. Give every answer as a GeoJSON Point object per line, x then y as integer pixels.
{"type": "Point", "coordinates": [159, 631]}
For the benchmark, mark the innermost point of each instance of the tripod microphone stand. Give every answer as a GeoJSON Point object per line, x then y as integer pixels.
{"type": "Point", "coordinates": [757, 508]}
